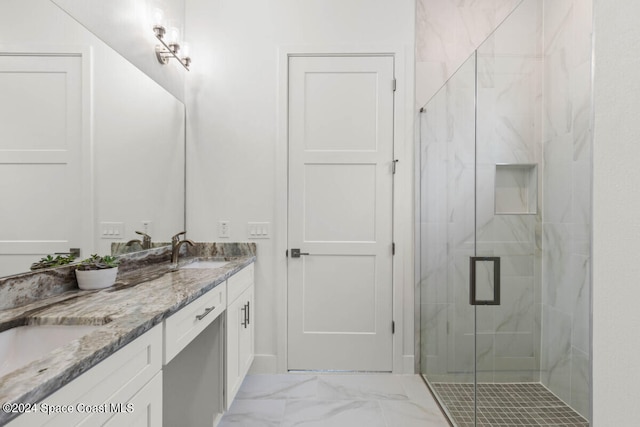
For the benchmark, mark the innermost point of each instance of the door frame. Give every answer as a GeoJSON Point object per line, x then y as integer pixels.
{"type": "Point", "coordinates": [403, 219]}
{"type": "Point", "coordinates": [86, 186]}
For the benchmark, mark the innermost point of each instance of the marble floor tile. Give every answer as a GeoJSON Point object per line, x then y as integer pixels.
{"type": "Point", "coordinates": [412, 414]}
{"type": "Point", "coordinates": [330, 400]}
{"type": "Point", "coordinates": [417, 391]}
{"type": "Point", "coordinates": [279, 387]}
{"type": "Point", "coordinates": [333, 413]}
{"type": "Point", "coordinates": [254, 413]}
{"type": "Point", "coordinates": [361, 387]}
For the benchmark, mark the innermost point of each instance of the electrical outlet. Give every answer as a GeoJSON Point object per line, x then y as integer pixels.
{"type": "Point", "coordinates": [112, 230]}
{"type": "Point", "coordinates": [224, 228]}
{"type": "Point", "coordinates": [258, 230]}
{"type": "Point", "coordinates": [147, 227]}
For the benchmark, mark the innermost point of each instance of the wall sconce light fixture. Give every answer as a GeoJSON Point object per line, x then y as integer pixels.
{"type": "Point", "coordinates": [170, 48]}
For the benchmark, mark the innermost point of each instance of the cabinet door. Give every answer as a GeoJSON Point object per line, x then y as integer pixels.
{"type": "Point", "coordinates": [144, 409]}
{"type": "Point", "coordinates": [245, 347]}
{"type": "Point", "coordinates": [235, 318]}
{"type": "Point", "coordinates": [240, 342]}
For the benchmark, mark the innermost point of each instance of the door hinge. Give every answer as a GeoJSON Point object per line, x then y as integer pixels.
{"type": "Point", "coordinates": [393, 168]}
{"type": "Point", "coordinates": [393, 327]}
{"type": "Point", "coordinates": [393, 248]}
{"type": "Point", "coordinates": [394, 84]}
{"type": "Point", "coordinates": [286, 253]}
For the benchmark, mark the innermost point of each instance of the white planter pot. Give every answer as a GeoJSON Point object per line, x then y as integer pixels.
{"type": "Point", "coordinates": [96, 279]}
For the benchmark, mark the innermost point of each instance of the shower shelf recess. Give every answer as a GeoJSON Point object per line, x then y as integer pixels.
{"type": "Point", "coordinates": [516, 189]}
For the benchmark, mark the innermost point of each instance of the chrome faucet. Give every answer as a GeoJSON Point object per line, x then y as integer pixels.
{"type": "Point", "coordinates": [175, 246]}
{"type": "Point", "coordinates": [145, 243]}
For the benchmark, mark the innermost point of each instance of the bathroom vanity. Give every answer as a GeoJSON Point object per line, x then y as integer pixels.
{"type": "Point", "coordinates": [169, 346]}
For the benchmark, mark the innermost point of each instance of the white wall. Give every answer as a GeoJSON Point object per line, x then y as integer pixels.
{"type": "Point", "coordinates": [233, 162]}
{"type": "Point", "coordinates": [616, 230]}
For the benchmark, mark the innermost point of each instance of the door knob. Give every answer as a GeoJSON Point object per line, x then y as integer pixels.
{"type": "Point", "coordinates": [295, 253]}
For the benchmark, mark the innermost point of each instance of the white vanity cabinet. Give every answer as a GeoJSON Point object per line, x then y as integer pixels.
{"type": "Point", "coordinates": [184, 371]}
{"type": "Point", "coordinates": [239, 346]}
{"type": "Point", "coordinates": [100, 395]}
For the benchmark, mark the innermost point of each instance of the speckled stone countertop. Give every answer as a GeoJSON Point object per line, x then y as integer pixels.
{"type": "Point", "coordinates": [141, 298]}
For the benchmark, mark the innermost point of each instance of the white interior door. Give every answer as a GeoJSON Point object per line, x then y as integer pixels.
{"type": "Point", "coordinates": [40, 153]}
{"type": "Point", "coordinates": [340, 213]}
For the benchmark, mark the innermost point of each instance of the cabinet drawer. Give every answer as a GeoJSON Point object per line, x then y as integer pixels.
{"type": "Point", "coordinates": [237, 283]}
{"type": "Point", "coordinates": [182, 327]}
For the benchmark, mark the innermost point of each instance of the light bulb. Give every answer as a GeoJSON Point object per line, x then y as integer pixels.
{"type": "Point", "coordinates": [174, 35]}
{"type": "Point", "coordinates": [186, 49]}
{"type": "Point", "coordinates": [158, 17]}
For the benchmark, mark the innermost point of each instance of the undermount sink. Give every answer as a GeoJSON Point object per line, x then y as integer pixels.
{"type": "Point", "coordinates": [22, 345]}
{"type": "Point", "coordinates": [206, 264]}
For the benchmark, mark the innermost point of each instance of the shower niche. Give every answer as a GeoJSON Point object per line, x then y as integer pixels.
{"type": "Point", "coordinates": [516, 189]}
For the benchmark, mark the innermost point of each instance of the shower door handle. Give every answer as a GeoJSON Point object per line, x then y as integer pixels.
{"type": "Point", "coordinates": [474, 292]}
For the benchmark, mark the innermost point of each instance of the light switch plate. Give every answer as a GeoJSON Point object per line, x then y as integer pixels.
{"type": "Point", "coordinates": [258, 230]}
{"type": "Point", "coordinates": [112, 230]}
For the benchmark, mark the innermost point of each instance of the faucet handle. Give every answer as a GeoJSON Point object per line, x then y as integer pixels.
{"type": "Point", "coordinates": [143, 234]}
{"type": "Point", "coordinates": [146, 240]}
{"type": "Point", "coordinates": [176, 238]}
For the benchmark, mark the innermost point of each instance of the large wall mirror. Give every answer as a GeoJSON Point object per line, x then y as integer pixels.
{"type": "Point", "coordinates": [91, 149]}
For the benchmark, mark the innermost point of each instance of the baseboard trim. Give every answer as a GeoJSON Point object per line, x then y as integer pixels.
{"type": "Point", "coordinates": [408, 364]}
{"type": "Point", "coordinates": [264, 364]}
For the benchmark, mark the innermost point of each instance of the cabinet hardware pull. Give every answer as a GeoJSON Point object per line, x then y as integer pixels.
{"type": "Point", "coordinates": [206, 311]}
{"type": "Point", "coordinates": [244, 316]}
{"type": "Point", "coordinates": [248, 313]}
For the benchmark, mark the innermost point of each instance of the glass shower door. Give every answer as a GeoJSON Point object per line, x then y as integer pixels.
{"type": "Point", "coordinates": [447, 223]}
{"type": "Point", "coordinates": [508, 228]}
{"type": "Point", "coordinates": [504, 294]}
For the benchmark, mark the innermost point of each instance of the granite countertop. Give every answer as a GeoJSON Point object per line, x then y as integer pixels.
{"type": "Point", "coordinates": [140, 299]}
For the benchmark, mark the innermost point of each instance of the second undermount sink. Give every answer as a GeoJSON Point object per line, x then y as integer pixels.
{"type": "Point", "coordinates": [206, 264]}
{"type": "Point", "coordinates": [22, 345]}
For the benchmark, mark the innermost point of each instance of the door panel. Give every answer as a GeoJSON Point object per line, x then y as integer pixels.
{"type": "Point", "coordinates": [347, 284]}
{"type": "Point", "coordinates": [42, 215]}
{"type": "Point", "coordinates": [322, 221]}
{"type": "Point", "coordinates": [340, 213]}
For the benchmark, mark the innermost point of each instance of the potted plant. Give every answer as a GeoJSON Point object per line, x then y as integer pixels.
{"type": "Point", "coordinates": [50, 261]}
{"type": "Point", "coordinates": [97, 272]}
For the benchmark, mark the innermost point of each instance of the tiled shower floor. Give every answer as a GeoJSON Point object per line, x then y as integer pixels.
{"type": "Point", "coordinates": [521, 404]}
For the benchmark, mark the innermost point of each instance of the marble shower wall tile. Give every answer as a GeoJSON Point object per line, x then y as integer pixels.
{"type": "Point", "coordinates": [556, 357]}
{"type": "Point", "coordinates": [447, 32]}
{"type": "Point", "coordinates": [567, 200]}
{"type": "Point", "coordinates": [580, 381]}
{"type": "Point", "coordinates": [434, 336]}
